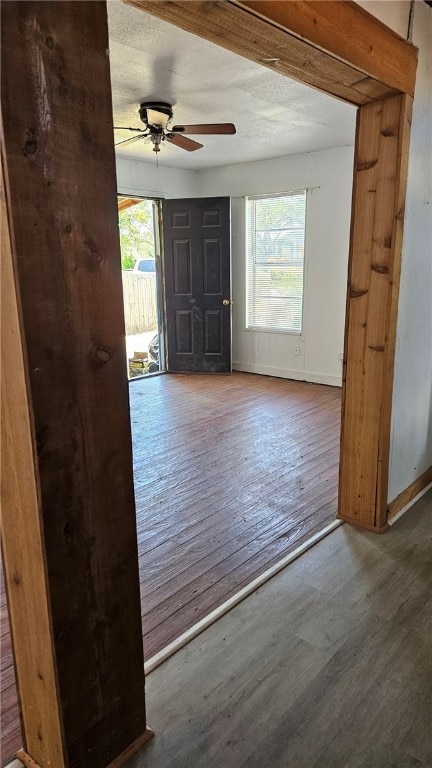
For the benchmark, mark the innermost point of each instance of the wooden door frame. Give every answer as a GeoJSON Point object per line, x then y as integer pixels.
{"type": "Point", "coordinates": [160, 289]}
{"type": "Point", "coordinates": [374, 69]}
{"type": "Point", "coordinates": [58, 128]}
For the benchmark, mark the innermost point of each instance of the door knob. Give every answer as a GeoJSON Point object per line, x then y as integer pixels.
{"type": "Point", "coordinates": [226, 302]}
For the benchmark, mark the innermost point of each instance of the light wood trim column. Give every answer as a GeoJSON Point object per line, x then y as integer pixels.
{"type": "Point", "coordinates": [69, 526]}
{"type": "Point", "coordinates": [22, 534]}
{"type": "Point", "coordinates": [404, 132]}
{"type": "Point", "coordinates": [380, 173]}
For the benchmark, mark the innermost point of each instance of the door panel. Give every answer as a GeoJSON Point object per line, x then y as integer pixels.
{"type": "Point", "coordinates": [197, 268]}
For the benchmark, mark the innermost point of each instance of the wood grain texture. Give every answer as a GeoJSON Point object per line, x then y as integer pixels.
{"type": "Point", "coordinates": [60, 159]}
{"type": "Point", "coordinates": [380, 168]}
{"type": "Point", "coordinates": [407, 495]}
{"type": "Point", "coordinates": [231, 473]}
{"type": "Point", "coordinates": [336, 646]}
{"type": "Point", "coordinates": [392, 305]}
{"type": "Point", "coordinates": [234, 27]}
{"type": "Point", "coordinates": [22, 538]}
{"type": "Point", "coordinates": [349, 32]}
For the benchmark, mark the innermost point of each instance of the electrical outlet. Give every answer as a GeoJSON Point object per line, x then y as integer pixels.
{"type": "Point", "coordinates": [297, 350]}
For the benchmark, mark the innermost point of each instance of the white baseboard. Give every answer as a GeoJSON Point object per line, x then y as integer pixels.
{"type": "Point", "coordinates": [286, 373]}
{"type": "Point", "coordinates": [408, 506]}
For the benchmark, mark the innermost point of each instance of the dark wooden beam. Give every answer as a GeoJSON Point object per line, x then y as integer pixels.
{"type": "Point", "coordinates": [69, 475]}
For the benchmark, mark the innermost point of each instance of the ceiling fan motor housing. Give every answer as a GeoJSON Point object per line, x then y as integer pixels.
{"type": "Point", "coordinates": [148, 107]}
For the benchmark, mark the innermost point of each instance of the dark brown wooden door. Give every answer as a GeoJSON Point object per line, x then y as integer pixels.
{"type": "Point", "coordinates": [197, 273]}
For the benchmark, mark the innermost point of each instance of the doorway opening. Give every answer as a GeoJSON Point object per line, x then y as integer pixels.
{"type": "Point", "coordinates": [213, 509]}
{"type": "Point", "coordinates": [244, 469]}
{"type": "Point", "coordinates": [141, 262]}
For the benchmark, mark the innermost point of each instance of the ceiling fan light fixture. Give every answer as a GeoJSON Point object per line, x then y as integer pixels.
{"type": "Point", "coordinates": [157, 118]}
{"type": "Point", "coordinates": [155, 114]}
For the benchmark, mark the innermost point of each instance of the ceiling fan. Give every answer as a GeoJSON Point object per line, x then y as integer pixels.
{"type": "Point", "coordinates": [157, 115]}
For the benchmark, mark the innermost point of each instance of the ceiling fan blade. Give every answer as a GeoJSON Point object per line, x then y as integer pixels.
{"type": "Point", "coordinates": [130, 140]}
{"type": "Point", "coordinates": [220, 128]}
{"type": "Point", "coordinates": [123, 128]}
{"type": "Point", "coordinates": [183, 142]}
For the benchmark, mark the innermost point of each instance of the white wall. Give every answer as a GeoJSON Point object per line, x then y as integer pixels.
{"type": "Point", "coordinates": [411, 444]}
{"type": "Point", "coordinates": [328, 175]}
{"type": "Point", "coordinates": [148, 180]}
{"type": "Point", "coordinates": [411, 438]}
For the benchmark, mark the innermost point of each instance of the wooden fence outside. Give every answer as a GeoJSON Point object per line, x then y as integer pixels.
{"type": "Point", "coordinates": [140, 303]}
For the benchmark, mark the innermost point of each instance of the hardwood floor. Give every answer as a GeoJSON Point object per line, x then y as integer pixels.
{"type": "Point", "coordinates": [231, 473]}
{"type": "Point", "coordinates": [240, 468]}
{"type": "Point", "coordinates": [328, 665]}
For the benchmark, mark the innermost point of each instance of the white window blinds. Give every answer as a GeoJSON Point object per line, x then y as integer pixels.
{"type": "Point", "coordinates": [275, 237]}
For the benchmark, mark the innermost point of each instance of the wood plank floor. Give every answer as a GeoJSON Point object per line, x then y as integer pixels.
{"type": "Point", "coordinates": [328, 665]}
{"type": "Point", "coordinates": [231, 473]}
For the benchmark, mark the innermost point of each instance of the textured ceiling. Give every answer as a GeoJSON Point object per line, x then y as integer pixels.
{"type": "Point", "coordinates": [274, 116]}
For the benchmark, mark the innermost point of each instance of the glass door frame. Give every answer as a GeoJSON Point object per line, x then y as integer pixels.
{"type": "Point", "coordinates": [159, 271]}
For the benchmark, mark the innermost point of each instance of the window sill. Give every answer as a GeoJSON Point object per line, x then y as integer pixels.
{"type": "Point", "coordinates": [251, 329]}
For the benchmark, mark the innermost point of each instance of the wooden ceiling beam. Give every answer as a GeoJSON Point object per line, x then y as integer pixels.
{"type": "Point", "coordinates": [347, 31]}
{"type": "Point", "coordinates": [238, 27]}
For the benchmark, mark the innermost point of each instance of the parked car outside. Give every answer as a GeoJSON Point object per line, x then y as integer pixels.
{"type": "Point", "coordinates": [145, 266]}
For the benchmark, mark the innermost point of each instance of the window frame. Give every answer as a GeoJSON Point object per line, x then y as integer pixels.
{"type": "Point", "coordinates": [273, 195]}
